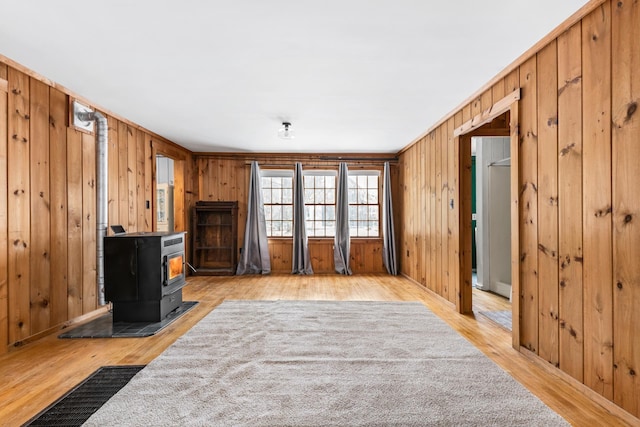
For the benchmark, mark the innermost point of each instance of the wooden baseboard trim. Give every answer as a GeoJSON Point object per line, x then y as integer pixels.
{"type": "Point", "coordinates": [429, 291]}
{"type": "Point", "coordinates": [586, 391]}
{"type": "Point", "coordinates": [76, 320]}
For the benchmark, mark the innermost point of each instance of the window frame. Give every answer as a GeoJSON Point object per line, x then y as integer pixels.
{"type": "Point", "coordinates": [277, 173]}
{"type": "Point", "coordinates": [321, 172]}
{"type": "Point", "coordinates": [368, 172]}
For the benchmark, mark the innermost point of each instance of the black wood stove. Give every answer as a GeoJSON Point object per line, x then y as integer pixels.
{"type": "Point", "coordinates": [144, 275]}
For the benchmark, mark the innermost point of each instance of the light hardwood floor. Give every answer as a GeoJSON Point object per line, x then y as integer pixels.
{"type": "Point", "coordinates": [38, 373]}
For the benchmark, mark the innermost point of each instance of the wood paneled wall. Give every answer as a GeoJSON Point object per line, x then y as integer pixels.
{"type": "Point", "coordinates": [48, 202]}
{"type": "Point", "coordinates": [578, 200]}
{"type": "Point", "coordinates": [226, 177]}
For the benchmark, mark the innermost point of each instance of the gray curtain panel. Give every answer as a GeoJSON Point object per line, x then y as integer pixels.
{"type": "Point", "coordinates": [255, 251]}
{"type": "Point", "coordinates": [301, 262]}
{"type": "Point", "coordinates": [388, 232]}
{"type": "Point", "coordinates": [342, 243]}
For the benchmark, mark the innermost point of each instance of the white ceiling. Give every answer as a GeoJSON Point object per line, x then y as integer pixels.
{"type": "Point", "coordinates": [352, 76]}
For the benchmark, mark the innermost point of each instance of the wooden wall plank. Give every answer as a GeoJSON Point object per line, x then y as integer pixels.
{"type": "Point", "coordinates": [40, 263]}
{"type": "Point", "coordinates": [444, 206]}
{"type": "Point", "coordinates": [421, 210]}
{"type": "Point", "coordinates": [140, 181]}
{"type": "Point", "coordinates": [463, 293]}
{"type": "Point", "coordinates": [529, 207]}
{"type": "Point", "coordinates": [179, 211]}
{"type": "Point", "coordinates": [74, 223]}
{"type": "Point", "coordinates": [570, 202]}
{"type": "Point", "coordinates": [626, 204]}
{"type": "Point", "coordinates": [123, 181]}
{"type": "Point", "coordinates": [432, 224]}
{"type": "Point", "coordinates": [149, 161]}
{"type": "Point", "coordinates": [58, 186]}
{"type": "Point", "coordinates": [452, 227]}
{"type": "Point", "coordinates": [597, 243]}
{"type": "Point", "coordinates": [89, 287]}
{"type": "Point", "coordinates": [514, 190]}
{"type": "Point", "coordinates": [547, 66]}
{"type": "Point", "coordinates": [438, 208]}
{"type": "Point", "coordinates": [132, 180]}
{"type": "Point", "coordinates": [113, 155]}
{"type": "Point", "coordinates": [19, 212]}
{"type": "Point", "coordinates": [4, 141]}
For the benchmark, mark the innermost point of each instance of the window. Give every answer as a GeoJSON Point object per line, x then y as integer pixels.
{"type": "Point", "coordinates": [277, 196]}
{"type": "Point", "coordinates": [320, 203]}
{"type": "Point", "coordinates": [364, 209]}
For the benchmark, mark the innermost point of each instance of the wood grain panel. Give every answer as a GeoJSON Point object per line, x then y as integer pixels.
{"type": "Point", "coordinates": [113, 160]}
{"type": "Point", "coordinates": [597, 246]}
{"type": "Point", "coordinates": [421, 207]}
{"type": "Point", "coordinates": [74, 223]}
{"type": "Point", "coordinates": [452, 228]}
{"type": "Point", "coordinates": [40, 263]}
{"type": "Point", "coordinates": [89, 287]}
{"type": "Point", "coordinates": [123, 182]}
{"type": "Point", "coordinates": [140, 182]}
{"type": "Point", "coordinates": [58, 188]}
{"type": "Point", "coordinates": [4, 141]}
{"type": "Point", "coordinates": [438, 208]}
{"type": "Point", "coordinates": [432, 219]}
{"type": "Point", "coordinates": [149, 161]}
{"type": "Point", "coordinates": [132, 180]}
{"type": "Point", "coordinates": [19, 212]}
{"type": "Point", "coordinates": [514, 190]}
{"type": "Point", "coordinates": [463, 293]}
{"type": "Point", "coordinates": [626, 204]}
{"type": "Point", "coordinates": [529, 207]}
{"type": "Point", "coordinates": [571, 347]}
{"type": "Point", "coordinates": [179, 211]}
{"type": "Point", "coordinates": [444, 209]}
{"type": "Point", "coordinates": [547, 65]}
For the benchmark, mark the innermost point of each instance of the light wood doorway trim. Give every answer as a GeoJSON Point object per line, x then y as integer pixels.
{"type": "Point", "coordinates": [462, 139]}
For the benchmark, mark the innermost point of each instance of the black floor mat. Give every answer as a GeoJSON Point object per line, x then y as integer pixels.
{"type": "Point", "coordinates": [74, 408]}
{"type": "Point", "coordinates": [105, 327]}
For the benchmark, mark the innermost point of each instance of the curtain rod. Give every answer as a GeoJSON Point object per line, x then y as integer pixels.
{"type": "Point", "coordinates": [292, 165]}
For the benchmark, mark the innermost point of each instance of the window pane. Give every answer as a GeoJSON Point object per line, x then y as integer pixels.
{"type": "Point", "coordinates": [276, 196]}
{"type": "Point", "coordinates": [362, 181]}
{"type": "Point", "coordinates": [266, 183]}
{"type": "Point", "coordinates": [319, 213]}
{"type": "Point", "coordinates": [331, 228]}
{"type": "Point", "coordinates": [308, 213]}
{"type": "Point", "coordinates": [330, 182]}
{"type": "Point", "coordinates": [362, 213]}
{"type": "Point", "coordinates": [331, 213]}
{"type": "Point", "coordinates": [362, 196]}
{"type": "Point", "coordinates": [353, 213]}
{"type": "Point", "coordinates": [352, 182]}
{"type": "Point", "coordinates": [287, 228]}
{"type": "Point", "coordinates": [276, 212]}
{"type": "Point", "coordinates": [267, 212]}
{"type": "Point", "coordinates": [372, 196]}
{"type": "Point", "coordinates": [266, 196]}
{"type": "Point", "coordinates": [287, 196]}
{"type": "Point", "coordinates": [276, 182]}
{"type": "Point", "coordinates": [330, 196]}
{"type": "Point", "coordinates": [308, 196]}
{"type": "Point", "coordinates": [319, 194]}
{"type": "Point", "coordinates": [373, 213]}
{"type": "Point", "coordinates": [372, 181]}
{"type": "Point", "coordinates": [308, 182]}
{"type": "Point", "coordinates": [287, 213]}
{"type": "Point", "coordinates": [373, 229]}
{"type": "Point", "coordinates": [287, 182]}
{"type": "Point", "coordinates": [319, 181]}
{"type": "Point", "coordinates": [353, 193]}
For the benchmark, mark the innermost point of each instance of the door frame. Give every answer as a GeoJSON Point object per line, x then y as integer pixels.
{"type": "Point", "coordinates": [462, 140]}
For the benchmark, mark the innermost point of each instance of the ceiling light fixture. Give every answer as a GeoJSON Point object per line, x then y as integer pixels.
{"type": "Point", "coordinates": [285, 132]}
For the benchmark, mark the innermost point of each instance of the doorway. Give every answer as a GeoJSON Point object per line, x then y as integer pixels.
{"type": "Point", "coordinates": [165, 218]}
{"type": "Point", "coordinates": [492, 216]}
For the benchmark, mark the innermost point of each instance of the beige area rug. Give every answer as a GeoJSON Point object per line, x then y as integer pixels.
{"type": "Point", "coordinates": [323, 363]}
